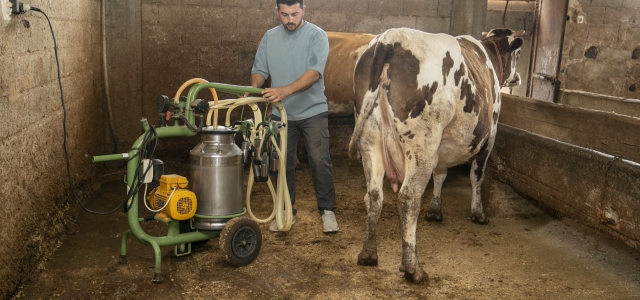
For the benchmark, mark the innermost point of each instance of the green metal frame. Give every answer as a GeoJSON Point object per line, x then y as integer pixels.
{"type": "Point", "coordinates": [173, 237]}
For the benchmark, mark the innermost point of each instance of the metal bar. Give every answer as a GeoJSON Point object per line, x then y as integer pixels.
{"type": "Point", "coordinates": [110, 157]}
{"type": "Point", "coordinates": [185, 237]}
{"type": "Point", "coordinates": [123, 247]}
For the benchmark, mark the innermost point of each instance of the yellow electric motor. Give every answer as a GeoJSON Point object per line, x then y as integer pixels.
{"type": "Point", "coordinates": [171, 200]}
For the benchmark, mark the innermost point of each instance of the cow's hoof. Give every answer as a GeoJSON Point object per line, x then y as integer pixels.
{"type": "Point", "coordinates": [368, 260]}
{"type": "Point", "coordinates": [416, 277]}
{"type": "Point", "coordinates": [434, 216]}
{"type": "Point", "coordinates": [482, 220]}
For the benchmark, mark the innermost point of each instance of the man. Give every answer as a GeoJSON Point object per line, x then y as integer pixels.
{"type": "Point", "coordinates": [294, 54]}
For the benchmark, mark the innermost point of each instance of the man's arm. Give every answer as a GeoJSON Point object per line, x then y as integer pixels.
{"type": "Point", "coordinates": [277, 94]}
{"type": "Point", "coordinates": [257, 80]}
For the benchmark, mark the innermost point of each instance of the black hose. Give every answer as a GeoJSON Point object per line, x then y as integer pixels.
{"type": "Point", "coordinates": [186, 122]}
{"type": "Point", "coordinates": [139, 174]}
{"type": "Point", "coordinates": [148, 218]}
{"type": "Point", "coordinates": [265, 142]}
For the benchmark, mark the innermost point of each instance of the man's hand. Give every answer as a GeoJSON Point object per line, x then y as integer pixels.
{"type": "Point", "coordinates": [276, 94]}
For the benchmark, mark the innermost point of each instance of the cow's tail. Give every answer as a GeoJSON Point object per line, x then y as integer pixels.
{"type": "Point", "coordinates": [367, 107]}
{"type": "Point", "coordinates": [377, 93]}
{"type": "Point", "coordinates": [381, 57]}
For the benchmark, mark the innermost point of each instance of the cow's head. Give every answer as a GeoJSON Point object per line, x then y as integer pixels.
{"type": "Point", "coordinates": [506, 45]}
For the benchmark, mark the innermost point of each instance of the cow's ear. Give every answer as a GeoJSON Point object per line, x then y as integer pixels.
{"type": "Point", "coordinates": [519, 33]}
{"type": "Point", "coordinates": [516, 44]}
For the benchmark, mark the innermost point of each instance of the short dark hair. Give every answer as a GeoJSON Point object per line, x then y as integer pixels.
{"type": "Point", "coordinates": [289, 2]}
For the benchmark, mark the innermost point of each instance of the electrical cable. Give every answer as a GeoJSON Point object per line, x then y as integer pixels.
{"type": "Point", "coordinates": [165, 204]}
{"type": "Point", "coordinates": [504, 15]}
{"type": "Point", "coordinates": [148, 135]}
{"type": "Point", "coordinates": [141, 153]}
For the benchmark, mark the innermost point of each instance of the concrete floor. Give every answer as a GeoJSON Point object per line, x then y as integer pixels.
{"type": "Point", "coordinates": [522, 254]}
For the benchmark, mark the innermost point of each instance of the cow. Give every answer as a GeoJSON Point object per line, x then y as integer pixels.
{"type": "Point", "coordinates": [424, 103]}
{"type": "Point", "coordinates": [344, 50]}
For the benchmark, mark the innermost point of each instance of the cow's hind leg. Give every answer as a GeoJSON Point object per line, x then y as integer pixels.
{"type": "Point", "coordinates": [435, 208]}
{"type": "Point", "coordinates": [374, 174]}
{"type": "Point", "coordinates": [477, 175]}
{"type": "Point", "coordinates": [409, 209]}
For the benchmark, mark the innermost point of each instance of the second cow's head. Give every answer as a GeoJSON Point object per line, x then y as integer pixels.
{"type": "Point", "coordinates": [507, 44]}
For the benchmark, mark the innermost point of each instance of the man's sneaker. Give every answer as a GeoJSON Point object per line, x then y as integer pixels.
{"type": "Point", "coordinates": [329, 223]}
{"type": "Point", "coordinates": [274, 226]}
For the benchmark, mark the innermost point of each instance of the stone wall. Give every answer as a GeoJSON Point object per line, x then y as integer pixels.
{"type": "Point", "coordinates": [601, 52]}
{"type": "Point", "coordinates": [36, 205]}
{"type": "Point", "coordinates": [124, 71]}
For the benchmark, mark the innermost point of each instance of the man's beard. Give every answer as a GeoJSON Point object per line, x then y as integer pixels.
{"type": "Point", "coordinates": [293, 26]}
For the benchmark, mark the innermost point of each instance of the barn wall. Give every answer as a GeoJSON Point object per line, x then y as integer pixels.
{"type": "Point", "coordinates": [570, 161]}
{"type": "Point", "coordinates": [602, 54]}
{"type": "Point", "coordinates": [35, 206]}
{"type": "Point", "coordinates": [595, 188]}
{"type": "Point", "coordinates": [124, 71]}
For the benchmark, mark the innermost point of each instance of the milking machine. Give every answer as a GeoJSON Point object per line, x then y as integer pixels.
{"type": "Point", "coordinates": [209, 203]}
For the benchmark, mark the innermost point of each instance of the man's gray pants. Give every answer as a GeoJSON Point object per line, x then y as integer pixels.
{"type": "Point", "coordinates": [315, 131]}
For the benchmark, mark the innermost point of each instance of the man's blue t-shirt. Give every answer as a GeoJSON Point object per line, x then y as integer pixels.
{"type": "Point", "coordinates": [286, 56]}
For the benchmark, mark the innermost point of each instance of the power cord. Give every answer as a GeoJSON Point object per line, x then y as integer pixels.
{"type": "Point", "coordinates": [142, 151]}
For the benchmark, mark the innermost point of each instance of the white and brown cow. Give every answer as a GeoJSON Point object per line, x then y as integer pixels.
{"type": "Point", "coordinates": [424, 103]}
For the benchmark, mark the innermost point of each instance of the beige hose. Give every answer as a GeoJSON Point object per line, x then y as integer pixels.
{"type": "Point", "coordinates": [189, 82]}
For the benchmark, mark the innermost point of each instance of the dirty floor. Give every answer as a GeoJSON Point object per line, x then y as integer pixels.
{"type": "Point", "coordinates": [515, 256]}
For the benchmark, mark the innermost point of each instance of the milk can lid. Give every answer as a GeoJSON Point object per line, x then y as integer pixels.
{"type": "Point", "coordinates": [218, 130]}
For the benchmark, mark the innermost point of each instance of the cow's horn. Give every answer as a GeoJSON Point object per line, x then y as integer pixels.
{"type": "Point", "coordinates": [484, 34]}
{"type": "Point", "coordinates": [519, 33]}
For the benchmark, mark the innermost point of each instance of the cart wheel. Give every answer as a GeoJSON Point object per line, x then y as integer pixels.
{"type": "Point", "coordinates": [240, 240]}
